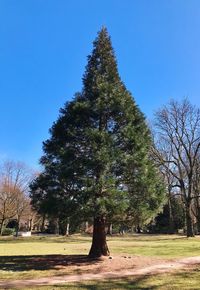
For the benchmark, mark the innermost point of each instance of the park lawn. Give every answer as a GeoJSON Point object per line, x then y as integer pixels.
{"type": "Point", "coordinates": [160, 246]}
{"type": "Point", "coordinates": [17, 256]}
{"type": "Point", "coordinates": [165, 246]}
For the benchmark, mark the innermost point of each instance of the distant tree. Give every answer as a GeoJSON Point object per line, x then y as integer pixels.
{"type": "Point", "coordinates": [22, 208]}
{"type": "Point", "coordinates": [7, 204]}
{"type": "Point", "coordinates": [196, 200]}
{"type": "Point", "coordinates": [177, 149]}
{"type": "Point", "coordinates": [14, 184]}
{"type": "Point", "coordinates": [173, 212]}
{"type": "Point", "coordinates": [97, 157]}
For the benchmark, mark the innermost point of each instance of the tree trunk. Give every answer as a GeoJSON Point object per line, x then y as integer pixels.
{"type": "Point", "coordinates": [109, 231]}
{"type": "Point", "coordinates": [17, 228]}
{"type": "Point", "coordinates": [30, 224]}
{"type": "Point", "coordinates": [189, 222]}
{"type": "Point", "coordinates": [1, 227]}
{"type": "Point", "coordinates": [139, 229]}
{"type": "Point", "coordinates": [171, 219]}
{"type": "Point", "coordinates": [57, 230]}
{"type": "Point", "coordinates": [67, 229]}
{"type": "Point", "coordinates": [43, 223]}
{"type": "Point", "coordinates": [86, 227]}
{"type": "Point", "coordinates": [198, 220]}
{"type": "Point", "coordinates": [99, 246]}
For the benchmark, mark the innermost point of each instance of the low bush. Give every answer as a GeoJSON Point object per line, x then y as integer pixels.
{"type": "Point", "coordinates": [8, 232]}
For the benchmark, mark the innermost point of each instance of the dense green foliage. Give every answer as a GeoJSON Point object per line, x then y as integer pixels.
{"type": "Point", "coordinates": [96, 161]}
{"type": "Point", "coordinates": [168, 222]}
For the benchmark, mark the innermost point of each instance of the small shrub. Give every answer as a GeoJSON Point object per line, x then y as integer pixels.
{"type": "Point", "coordinates": [8, 232]}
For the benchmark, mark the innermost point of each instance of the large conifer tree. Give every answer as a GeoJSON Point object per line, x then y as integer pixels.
{"type": "Point", "coordinates": [99, 146]}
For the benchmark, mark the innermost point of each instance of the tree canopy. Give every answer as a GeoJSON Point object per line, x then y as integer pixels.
{"type": "Point", "coordinates": [96, 160]}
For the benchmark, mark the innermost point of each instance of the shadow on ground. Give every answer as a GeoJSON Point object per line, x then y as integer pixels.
{"type": "Point", "coordinates": [43, 262]}
{"type": "Point", "coordinates": [176, 281]}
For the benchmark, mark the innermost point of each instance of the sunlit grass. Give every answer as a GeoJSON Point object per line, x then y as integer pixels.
{"type": "Point", "coordinates": [157, 246]}
{"type": "Point", "coordinates": [45, 246]}
{"type": "Point", "coordinates": [169, 246]}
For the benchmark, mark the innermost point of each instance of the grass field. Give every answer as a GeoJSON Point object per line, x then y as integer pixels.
{"type": "Point", "coordinates": [24, 258]}
{"type": "Point", "coordinates": [166, 246]}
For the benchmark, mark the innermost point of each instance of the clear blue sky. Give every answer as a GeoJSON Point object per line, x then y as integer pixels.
{"type": "Point", "coordinates": [43, 49]}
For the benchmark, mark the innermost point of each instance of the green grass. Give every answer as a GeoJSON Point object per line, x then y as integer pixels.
{"type": "Point", "coordinates": [44, 246]}
{"type": "Point", "coordinates": [24, 258]}
{"type": "Point", "coordinates": [165, 246]}
{"type": "Point", "coordinates": [157, 246]}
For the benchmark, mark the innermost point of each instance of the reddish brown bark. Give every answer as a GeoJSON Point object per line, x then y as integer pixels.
{"type": "Point", "coordinates": [99, 246]}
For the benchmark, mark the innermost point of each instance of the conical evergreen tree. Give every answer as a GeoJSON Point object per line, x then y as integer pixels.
{"type": "Point", "coordinates": [99, 145]}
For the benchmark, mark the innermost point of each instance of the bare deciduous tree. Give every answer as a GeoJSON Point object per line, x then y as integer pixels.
{"type": "Point", "coordinates": [7, 204]}
{"type": "Point", "coordinates": [15, 178]}
{"type": "Point", "coordinates": [177, 146]}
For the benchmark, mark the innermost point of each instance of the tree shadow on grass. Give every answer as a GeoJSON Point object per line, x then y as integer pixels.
{"type": "Point", "coordinates": [177, 280]}
{"type": "Point", "coordinates": [136, 283]}
{"type": "Point", "coordinates": [114, 285]}
{"type": "Point", "coordinates": [43, 262]}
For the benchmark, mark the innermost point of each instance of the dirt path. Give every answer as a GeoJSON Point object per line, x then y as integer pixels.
{"type": "Point", "coordinates": [153, 269]}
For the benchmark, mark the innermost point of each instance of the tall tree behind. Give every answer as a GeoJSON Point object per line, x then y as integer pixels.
{"type": "Point", "coordinates": [99, 145]}
{"type": "Point", "coordinates": [196, 203]}
{"type": "Point", "coordinates": [178, 147]}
